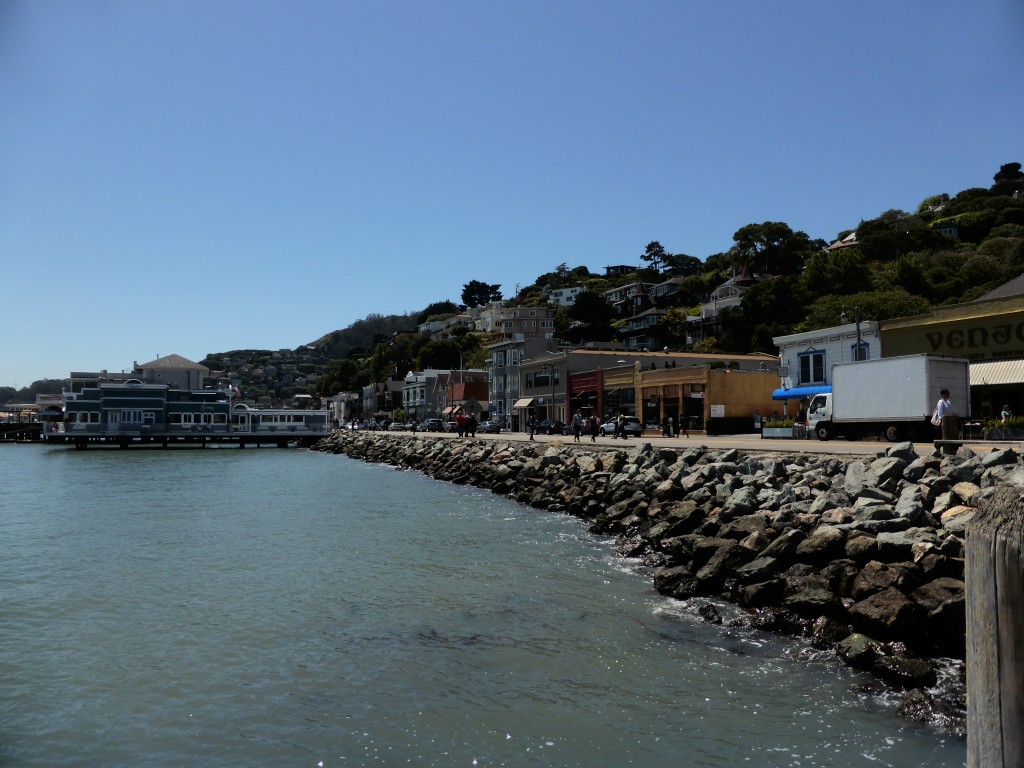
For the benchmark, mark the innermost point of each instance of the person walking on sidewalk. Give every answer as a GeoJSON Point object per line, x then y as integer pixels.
{"type": "Point", "coordinates": [577, 426]}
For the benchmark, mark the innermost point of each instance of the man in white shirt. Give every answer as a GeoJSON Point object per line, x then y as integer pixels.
{"type": "Point", "coordinates": [942, 409]}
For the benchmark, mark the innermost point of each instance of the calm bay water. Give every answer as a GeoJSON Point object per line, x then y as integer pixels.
{"type": "Point", "coordinates": [227, 607]}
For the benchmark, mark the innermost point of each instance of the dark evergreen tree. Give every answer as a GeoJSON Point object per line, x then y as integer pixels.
{"type": "Point", "coordinates": [476, 293]}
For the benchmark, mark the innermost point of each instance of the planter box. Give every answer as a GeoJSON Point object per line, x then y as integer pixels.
{"type": "Point", "coordinates": [1005, 433]}
{"type": "Point", "coordinates": [777, 433]}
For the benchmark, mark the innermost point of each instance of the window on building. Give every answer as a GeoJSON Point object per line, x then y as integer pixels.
{"type": "Point", "coordinates": [864, 351]}
{"type": "Point", "coordinates": [812, 367]}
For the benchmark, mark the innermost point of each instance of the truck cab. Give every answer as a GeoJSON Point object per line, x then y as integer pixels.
{"type": "Point", "coordinates": [819, 409]}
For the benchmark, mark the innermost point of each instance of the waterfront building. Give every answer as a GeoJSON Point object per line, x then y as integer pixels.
{"type": "Point", "coordinates": [609, 382]}
{"type": "Point", "coordinates": [505, 322]}
{"type": "Point", "coordinates": [504, 358]}
{"type": "Point", "coordinates": [175, 371]}
{"type": "Point", "coordinates": [463, 392]}
{"type": "Point", "coordinates": [806, 359]}
{"type": "Point", "coordinates": [420, 395]}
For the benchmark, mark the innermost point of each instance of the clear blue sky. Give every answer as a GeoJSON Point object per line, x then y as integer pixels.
{"type": "Point", "coordinates": [194, 176]}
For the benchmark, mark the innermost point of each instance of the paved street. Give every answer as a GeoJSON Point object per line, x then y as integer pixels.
{"type": "Point", "coordinates": [751, 442]}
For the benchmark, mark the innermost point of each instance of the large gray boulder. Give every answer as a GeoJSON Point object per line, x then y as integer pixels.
{"type": "Point", "coordinates": [888, 615]}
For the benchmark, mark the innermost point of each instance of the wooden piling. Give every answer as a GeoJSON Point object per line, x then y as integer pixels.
{"type": "Point", "coordinates": [995, 633]}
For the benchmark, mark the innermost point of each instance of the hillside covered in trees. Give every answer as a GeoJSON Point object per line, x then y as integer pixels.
{"type": "Point", "coordinates": [951, 248]}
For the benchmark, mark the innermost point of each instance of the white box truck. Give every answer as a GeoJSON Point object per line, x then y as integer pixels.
{"type": "Point", "coordinates": [892, 396]}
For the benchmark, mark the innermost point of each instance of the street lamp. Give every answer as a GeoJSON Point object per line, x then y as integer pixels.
{"type": "Point", "coordinates": [844, 318]}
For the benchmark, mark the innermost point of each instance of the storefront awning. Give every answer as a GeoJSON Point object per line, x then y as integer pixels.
{"type": "Point", "coordinates": [799, 393]}
{"type": "Point", "coordinates": [996, 372]}
{"type": "Point", "coordinates": [523, 402]}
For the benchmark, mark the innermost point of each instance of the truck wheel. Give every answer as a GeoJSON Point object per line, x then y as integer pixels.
{"type": "Point", "coordinates": [893, 433]}
{"type": "Point", "coordinates": [823, 430]}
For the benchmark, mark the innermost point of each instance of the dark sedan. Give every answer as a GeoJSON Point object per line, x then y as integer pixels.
{"type": "Point", "coordinates": [551, 427]}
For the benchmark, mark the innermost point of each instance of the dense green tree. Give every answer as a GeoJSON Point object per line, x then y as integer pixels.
{"type": "Point", "coordinates": [463, 349]}
{"type": "Point", "coordinates": [718, 266]}
{"type": "Point", "coordinates": [589, 318]}
{"type": "Point", "coordinates": [437, 309]}
{"type": "Point", "coordinates": [681, 265]}
{"type": "Point", "coordinates": [590, 308]}
{"type": "Point", "coordinates": [1008, 251]}
{"type": "Point", "coordinates": [1009, 172]}
{"type": "Point", "coordinates": [827, 310]}
{"type": "Point", "coordinates": [655, 255]}
{"type": "Point", "coordinates": [773, 248]}
{"type": "Point", "coordinates": [28, 394]}
{"type": "Point", "coordinates": [896, 233]}
{"type": "Point", "coordinates": [674, 326]}
{"type": "Point", "coordinates": [776, 300]}
{"type": "Point", "coordinates": [343, 376]}
{"type": "Point", "coordinates": [580, 273]}
{"type": "Point", "coordinates": [761, 339]}
{"type": "Point", "coordinates": [908, 273]}
{"type": "Point", "coordinates": [965, 201]}
{"type": "Point", "coordinates": [597, 285]}
{"type": "Point", "coordinates": [840, 271]}
{"type": "Point", "coordinates": [1008, 231]}
{"type": "Point", "coordinates": [444, 354]}
{"type": "Point", "coordinates": [476, 293]}
{"type": "Point", "coordinates": [734, 331]}
{"type": "Point", "coordinates": [1008, 180]}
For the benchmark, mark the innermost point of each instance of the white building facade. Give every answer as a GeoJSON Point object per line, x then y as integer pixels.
{"type": "Point", "coordinates": [806, 359]}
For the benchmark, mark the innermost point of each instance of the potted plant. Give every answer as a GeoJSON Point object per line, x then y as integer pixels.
{"type": "Point", "coordinates": [1010, 429]}
{"type": "Point", "coordinates": [777, 428]}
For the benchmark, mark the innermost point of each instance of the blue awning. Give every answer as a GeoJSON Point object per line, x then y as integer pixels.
{"type": "Point", "coordinates": [799, 393]}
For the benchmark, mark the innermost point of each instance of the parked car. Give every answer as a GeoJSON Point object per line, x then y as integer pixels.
{"type": "Point", "coordinates": [494, 427]}
{"type": "Point", "coordinates": [432, 425]}
{"type": "Point", "coordinates": [396, 426]}
{"type": "Point", "coordinates": [632, 427]}
{"type": "Point", "coordinates": [551, 426]}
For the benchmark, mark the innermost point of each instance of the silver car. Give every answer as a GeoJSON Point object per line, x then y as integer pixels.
{"type": "Point", "coordinates": [632, 427]}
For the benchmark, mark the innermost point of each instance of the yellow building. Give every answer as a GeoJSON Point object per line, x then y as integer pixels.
{"type": "Point", "coordinates": [978, 330]}
{"type": "Point", "coordinates": [721, 400]}
{"type": "Point", "coordinates": [989, 332]}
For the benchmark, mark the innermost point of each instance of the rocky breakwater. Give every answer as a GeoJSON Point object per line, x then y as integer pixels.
{"type": "Point", "coordinates": [863, 557]}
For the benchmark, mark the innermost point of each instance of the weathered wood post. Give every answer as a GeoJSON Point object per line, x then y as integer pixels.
{"type": "Point", "coordinates": [950, 430]}
{"type": "Point", "coordinates": [995, 633]}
